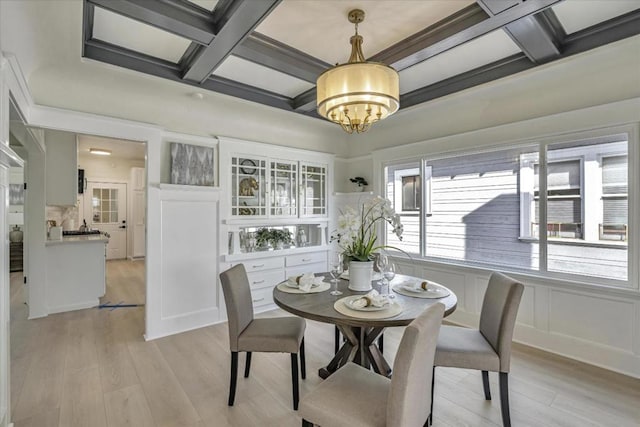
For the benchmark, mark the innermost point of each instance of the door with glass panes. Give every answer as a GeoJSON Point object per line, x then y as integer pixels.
{"type": "Point", "coordinates": [105, 207]}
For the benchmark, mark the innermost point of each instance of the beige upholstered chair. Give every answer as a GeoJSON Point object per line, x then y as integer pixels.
{"type": "Point", "coordinates": [280, 335]}
{"type": "Point", "coordinates": [489, 348]}
{"type": "Point", "coordinates": [354, 396]}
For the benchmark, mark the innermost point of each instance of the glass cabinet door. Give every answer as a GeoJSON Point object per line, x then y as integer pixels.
{"type": "Point", "coordinates": [284, 181]}
{"type": "Point", "coordinates": [313, 190]}
{"type": "Point", "coordinates": [249, 186]}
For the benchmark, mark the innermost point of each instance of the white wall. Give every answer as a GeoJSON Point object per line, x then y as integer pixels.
{"type": "Point", "coordinates": [108, 168]}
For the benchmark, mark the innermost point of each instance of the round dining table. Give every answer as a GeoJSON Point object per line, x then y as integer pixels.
{"type": "Point", "coordinates": [361, 334]}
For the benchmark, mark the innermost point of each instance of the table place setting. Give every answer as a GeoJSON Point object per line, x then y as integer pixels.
{"type": "Point", "coordinates": [369, 306]}
{"type": "Point", "coordinates": [306, 283]}
{"type": "Point", "coordinates": [419, 288]}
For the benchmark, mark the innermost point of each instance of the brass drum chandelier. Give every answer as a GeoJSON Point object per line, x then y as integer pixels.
{"type": "Point", "coordinates": [358, 93]}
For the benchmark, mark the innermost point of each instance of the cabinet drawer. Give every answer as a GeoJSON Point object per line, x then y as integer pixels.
{"type": "Point", "coordinates": [262, 296]}
{"type": "Point", "coordinates": [262, 264]}
{"type": "Point", "coordinates": [319, 267]}
{"type": "Point", "coordinates": [262, 279]}
{"type": "Point", "coordinates": [309, 258]}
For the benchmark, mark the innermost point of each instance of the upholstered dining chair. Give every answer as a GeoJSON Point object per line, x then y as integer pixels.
{"type": "Point", "coordinates": [354, 396]}
{"type": "Point", "coordinates": [489, 347]}
{"type": "Point", "coordinates": [275, 335]}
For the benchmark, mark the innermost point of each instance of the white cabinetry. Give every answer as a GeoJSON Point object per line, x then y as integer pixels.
{"type": "Point", "coordinates": [61, 168]}
{"type": "Point", "coordinates": [137, 223]}
{"type": "Point", "coordinates": [266, 269]}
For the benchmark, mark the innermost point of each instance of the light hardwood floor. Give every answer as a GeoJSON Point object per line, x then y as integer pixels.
{"type": "Point", "coordinates": [93, 368]}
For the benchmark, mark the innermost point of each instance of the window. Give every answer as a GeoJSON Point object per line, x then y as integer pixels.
{"type": "Point", "coordinates": [411, 193]}
{"type": "Point", "coordinates": [564, 200]}
{"type": "Point", "coordinates": [615, 206]}
{"type": "Point", "coordinates": [490, 207]}
{"type": "Point", "coordinates": [105, 205]}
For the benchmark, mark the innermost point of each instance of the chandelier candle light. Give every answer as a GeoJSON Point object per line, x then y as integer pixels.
{"type": "Point", "coordinates": [358, 93]}
{"type": "Point", "coordinates": [357, 235]}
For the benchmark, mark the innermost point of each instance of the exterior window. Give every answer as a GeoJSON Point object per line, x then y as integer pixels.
{"type": "Point", "coordinates": [566, 217]}
{"type": "Point", "coordinates": [411, 193]}
{"type": "Point", "coordinates": [564, 201]}
{"type": "Point", "coordinates": [615, 206]}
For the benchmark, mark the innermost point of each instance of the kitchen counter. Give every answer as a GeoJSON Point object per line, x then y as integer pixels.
{"type": "Point", "coordinates": [78, 239]}
{"type": "Point", "coordinates": [75, 272]}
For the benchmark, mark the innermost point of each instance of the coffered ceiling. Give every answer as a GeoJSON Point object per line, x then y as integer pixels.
{"type": "Point", "coordinates": [271, 51]}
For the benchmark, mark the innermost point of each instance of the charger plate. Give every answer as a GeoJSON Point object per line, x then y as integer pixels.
{"type": "Point", "coordinates": [392, 310]}
{"type": "Point", "coordinates": [434, 291]}
{"type": "Point", "coordinates": [314, 290]}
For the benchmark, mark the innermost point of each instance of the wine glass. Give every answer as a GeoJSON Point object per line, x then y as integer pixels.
{"type": "Point", "coordinates": [389, 273]}
{"type": "Point", "coordinates": [381, 263]}
{"type": "Point", "coordinates": [336, 270]}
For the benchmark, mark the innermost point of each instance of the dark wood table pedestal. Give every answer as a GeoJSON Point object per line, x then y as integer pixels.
{"type": "Point", "coordinates": [360, 346]}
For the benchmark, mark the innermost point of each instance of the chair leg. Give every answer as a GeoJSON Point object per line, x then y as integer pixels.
{"type": "Point", "coordinates": [294, 379]}
{"type": "Point", "coordinates": [306, 423]}
{"type": "Point", "coordinates": [336, 345]}
{"type": "Point", "coordinates": [234, 377]}
{"type": "Point", "coordinates": [504, 399]}
{"type": "Point", "coordinates": [247, 365]}
{"type": "Point", "coordinates": [303, 362]}
{"type": "Point", "coordinates": [433, 385]}
{"type": "Point", "coordinates": [485, 384]}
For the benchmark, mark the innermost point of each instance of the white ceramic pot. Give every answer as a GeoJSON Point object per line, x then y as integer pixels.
{"type": "Point", "coordinates": [360, 273]}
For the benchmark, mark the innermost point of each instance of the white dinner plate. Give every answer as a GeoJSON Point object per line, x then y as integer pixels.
{"type": "Point", "coordinates": [349, 303]}
{"type": "Point", "coordinates": [433, 291]}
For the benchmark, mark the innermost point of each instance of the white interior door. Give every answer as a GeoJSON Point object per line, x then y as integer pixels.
{"type": "Point", "coordinates": [105, 209]}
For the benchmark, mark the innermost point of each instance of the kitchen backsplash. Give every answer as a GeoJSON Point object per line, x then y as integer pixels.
{"type": "Point", "coordinates": [66, 217]}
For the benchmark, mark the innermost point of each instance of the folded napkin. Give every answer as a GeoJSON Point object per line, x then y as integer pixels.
{"type": "Point", "coordinates": [372, 299]}
{"type": "Point", "coordinates": [422, 285]}
{"type": "Point", "coordinates": [304, 282]}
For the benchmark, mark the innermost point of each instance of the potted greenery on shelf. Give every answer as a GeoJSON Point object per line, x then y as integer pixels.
{"type": "Point", "coordinates": [274, 236]}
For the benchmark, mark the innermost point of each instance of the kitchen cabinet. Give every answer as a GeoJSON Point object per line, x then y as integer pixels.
{"type": "Point", "coordinates": [61, 168]}
{"type": "Point", "coordinates": [75, 272]}
{"type": "Point", "coordinates": [313, 190]}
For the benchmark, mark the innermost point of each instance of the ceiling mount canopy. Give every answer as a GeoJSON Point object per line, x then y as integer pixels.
{"type": "Point", "coordinates": [358, 93]}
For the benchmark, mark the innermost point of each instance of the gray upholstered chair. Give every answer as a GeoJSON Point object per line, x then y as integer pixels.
{"type": "Point", "coordinates": [488, 348]}
{"type": "Point", "coordinates": [278, 335]}
{"type": "Point", "coordinates": [354, 396]}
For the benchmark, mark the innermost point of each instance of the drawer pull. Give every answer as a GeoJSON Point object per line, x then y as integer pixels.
{"type": "Point", "coordinates": [259, 299]}
{"type": "Point", "coordinates": [306, 259]}
{"type": "Point", "coordinates": [258, 282]}
{"type": "Point", "coordinates": [257, 266]}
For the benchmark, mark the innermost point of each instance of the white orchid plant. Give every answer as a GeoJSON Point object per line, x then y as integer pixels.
{"type": "Point", "coordinates": [357, 232]}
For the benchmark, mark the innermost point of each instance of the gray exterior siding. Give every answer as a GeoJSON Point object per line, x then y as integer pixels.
{"type": "Point", "coordinates": [475, 206]}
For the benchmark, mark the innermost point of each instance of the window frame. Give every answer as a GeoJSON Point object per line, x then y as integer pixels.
{"type": "Point", "coordinates": [630, 131]}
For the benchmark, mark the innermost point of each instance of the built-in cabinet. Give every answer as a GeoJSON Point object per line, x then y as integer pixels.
{"type": "Point", "coordinates": [61, 168]}
{"type": "Point", "coordinates": [137, 222]}
{"type": "Point", "coordinates": [265, 270]}
{"type": "Point", "coordinates": [275, 188]}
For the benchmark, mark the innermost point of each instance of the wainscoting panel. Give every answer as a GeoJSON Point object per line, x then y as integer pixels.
{"type": "Point", "coordinates": [606, 321]}
{"type": "Point", "coordinates": [188, 260]}
{"type": "Point", "coordinates": [596, 326]}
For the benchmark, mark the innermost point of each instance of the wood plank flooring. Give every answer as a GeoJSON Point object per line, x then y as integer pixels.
{"type": "Point", "coordinates": [93, 368]}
